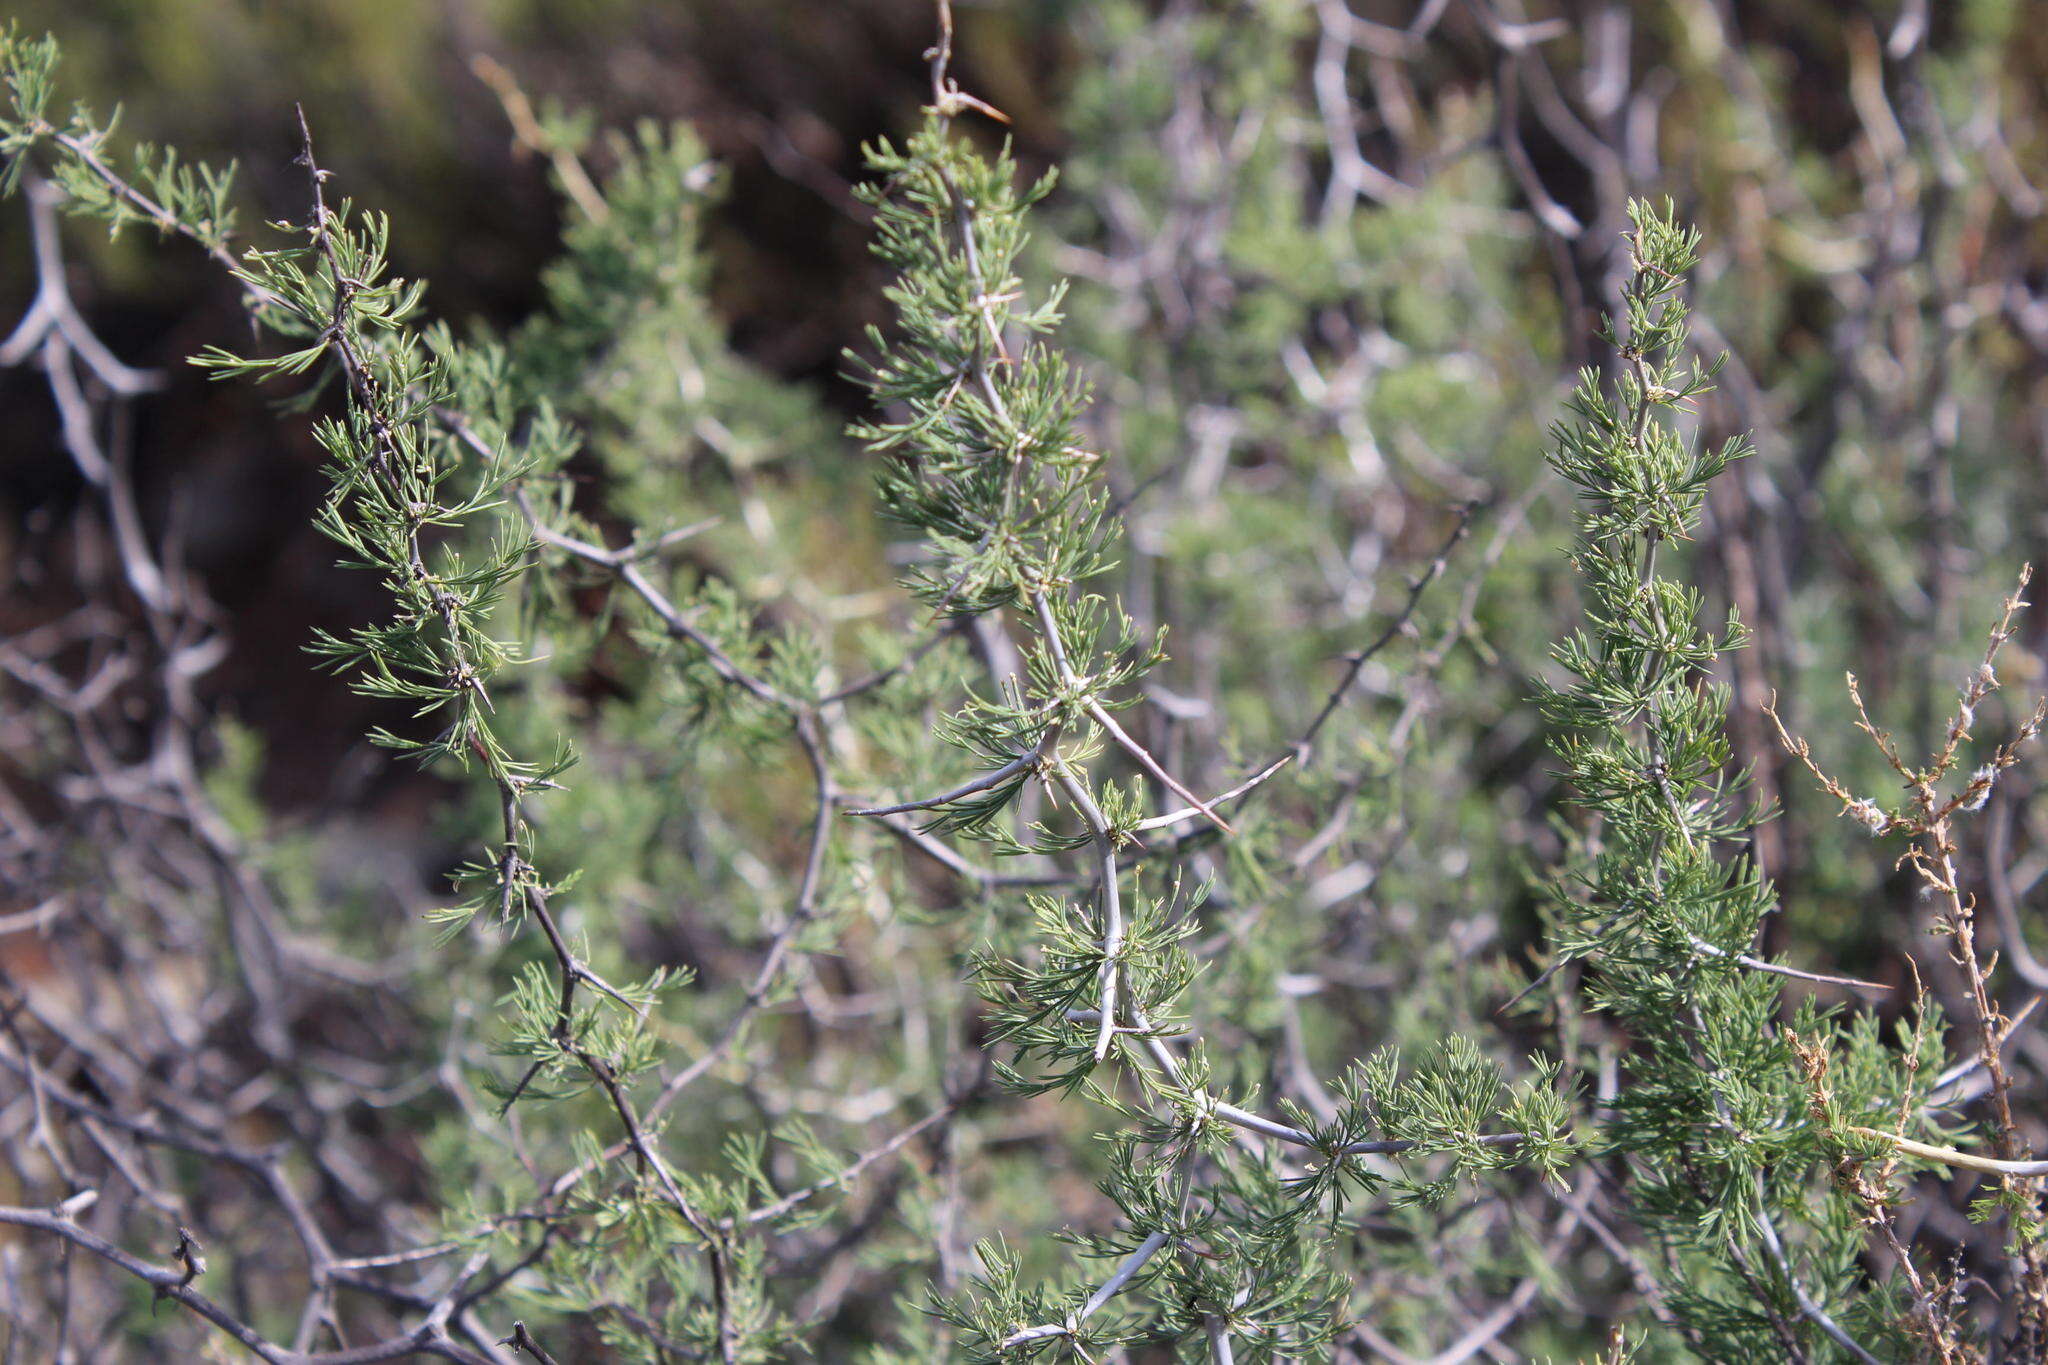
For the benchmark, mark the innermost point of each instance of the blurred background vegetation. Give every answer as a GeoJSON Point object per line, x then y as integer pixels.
{"type": "Point", "coordinates": [1762, 137]}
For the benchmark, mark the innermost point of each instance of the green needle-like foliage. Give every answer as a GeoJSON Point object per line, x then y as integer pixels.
{"type": "Point", "coordinates": [1225, 1212]}
{"type": "Point", "coordinates": [896, 948]}
{"type": "Point", "coordinates": [1708, 1129]}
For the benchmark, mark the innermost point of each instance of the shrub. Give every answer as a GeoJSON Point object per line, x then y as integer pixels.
{"type": "Point", "coordinates": [824, 955]}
